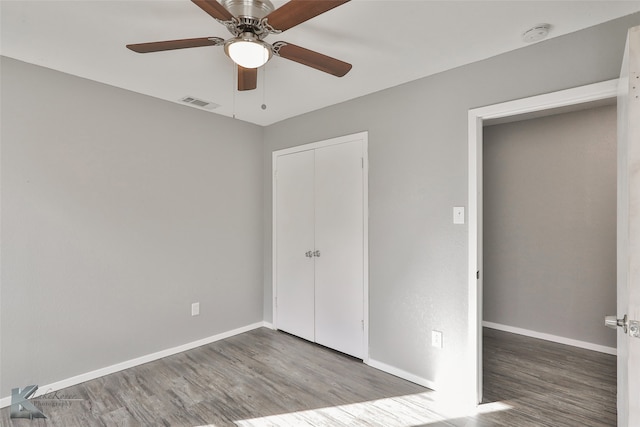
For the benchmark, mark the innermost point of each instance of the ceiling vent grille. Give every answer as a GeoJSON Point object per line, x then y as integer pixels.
{"type": "Point", "coordinates": [199, 103]}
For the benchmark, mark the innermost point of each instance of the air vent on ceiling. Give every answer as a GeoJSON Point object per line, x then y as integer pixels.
{"type": "Point", "coordinates": [199, 103]}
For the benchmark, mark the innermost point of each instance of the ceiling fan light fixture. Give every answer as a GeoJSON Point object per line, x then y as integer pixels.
{"type": "Point", "coordinates": [248, 51]}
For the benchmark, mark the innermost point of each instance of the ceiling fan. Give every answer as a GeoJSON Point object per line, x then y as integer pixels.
{"type": "Point", "coordinates": [250, 21]}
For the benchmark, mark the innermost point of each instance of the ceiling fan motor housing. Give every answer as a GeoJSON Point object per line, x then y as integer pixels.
{"type": "Point", "coordinates": [248, 17]}
{"type": "Point", "coordinates": [256, 9]}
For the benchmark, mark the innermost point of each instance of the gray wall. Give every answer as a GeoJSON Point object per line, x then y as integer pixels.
{"type": "Point", "coordinates": [418, 172]}
{"type": "Point", "coordinates": [119, 211]}
{"type": "Point", "coordinates": [550, 224]}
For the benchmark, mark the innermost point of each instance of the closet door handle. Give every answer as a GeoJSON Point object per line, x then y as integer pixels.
{"type": "Point", "coordinates": [308, 254]}
{"type": "Point", "coordinates": [316, 253]}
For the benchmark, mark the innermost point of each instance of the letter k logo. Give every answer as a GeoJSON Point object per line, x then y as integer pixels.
{"type": "Point", "coordinates": [21, 407]}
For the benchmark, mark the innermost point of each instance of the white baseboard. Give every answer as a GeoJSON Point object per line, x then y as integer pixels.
{"type": "Point", "coordinates": [402, 374]}
{"type": "Point", "coordinates": [267, 325]}
{"type": "Point", "coordinates": [68, 382]}
{"type": "Point", "coordinates": [553, 338]}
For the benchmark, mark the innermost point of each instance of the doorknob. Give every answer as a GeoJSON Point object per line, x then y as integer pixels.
{"type": "Point", "coordinates": [613, 322]}
{"type": "Point", "coordinates": [316, 253]}
{"type": "Point", "coordinates": [308, 254]}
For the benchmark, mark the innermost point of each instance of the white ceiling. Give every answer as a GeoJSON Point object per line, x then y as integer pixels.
{"type": "Point", "coordinates": [389, 42]}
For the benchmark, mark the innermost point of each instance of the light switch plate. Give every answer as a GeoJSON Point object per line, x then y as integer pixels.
{"type": "Point", "coordinates": [436, 339]}
{"type": "Point", "coordinates": [458, 215]}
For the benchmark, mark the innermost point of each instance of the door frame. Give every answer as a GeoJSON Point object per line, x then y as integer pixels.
{"type": "Point", "coordinates": [555, 100]}
{"type": "Point", "coordinates": [364, 138]}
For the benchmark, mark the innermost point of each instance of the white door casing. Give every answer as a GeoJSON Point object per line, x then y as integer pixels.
{"type": "Point", "coordinates": [585, 94]}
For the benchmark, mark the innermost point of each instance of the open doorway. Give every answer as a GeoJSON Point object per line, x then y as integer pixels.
{"type": "Point", "coordinates": [549, 263]}
{"type": "Point", "coordinates": [542, 104]}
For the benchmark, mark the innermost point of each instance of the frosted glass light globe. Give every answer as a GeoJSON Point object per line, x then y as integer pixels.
{"type": "Point", "coordinates": [248, 53]}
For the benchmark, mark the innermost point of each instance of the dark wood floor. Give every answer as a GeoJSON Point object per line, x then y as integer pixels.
{"type": "Point", "coordinates": [268, 378]}
{"type": "Point", "coordinates": [547, 384]}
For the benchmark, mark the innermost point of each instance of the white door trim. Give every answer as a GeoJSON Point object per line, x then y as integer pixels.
{"type": "Point", "coordinates": [364, 138]}
{"type": "Point", "coordinates": [564, 98]}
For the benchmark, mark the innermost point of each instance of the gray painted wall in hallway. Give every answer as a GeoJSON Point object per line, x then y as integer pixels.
{"type": "Point", "coordinates": [119, 211]}
{"type": "Point", "coordinates": [550, 224]}
{"type": "Point", "coordinates": [418, 172]}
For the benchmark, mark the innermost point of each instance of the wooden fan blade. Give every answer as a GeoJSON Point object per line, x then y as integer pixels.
{"type": "Point", "coordinates": [214, 9]}
{"type": "Point", "coordinates": [297, 11]}
{"type": "Point", "coordinates": [312, 59]}
{"type": "Point", "coordinates": [175, 44]}
{"type": "Point", "coordinates": [247, 78]}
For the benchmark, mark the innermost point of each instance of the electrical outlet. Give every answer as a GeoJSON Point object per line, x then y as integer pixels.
{"type": "Point", "coordinates": [436, 339]}
{"type": "Point", "coordinates": [195, 309]}
{"type": "Point", "coordinates": [458, 215]}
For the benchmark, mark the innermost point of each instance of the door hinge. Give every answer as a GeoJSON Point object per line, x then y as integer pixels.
{"type": "Point", "coordinates": [478, 274]}
{"type": "Point", "coordinates": [362, 162]}
{"type": "Point", "coordinates": [362, 323]}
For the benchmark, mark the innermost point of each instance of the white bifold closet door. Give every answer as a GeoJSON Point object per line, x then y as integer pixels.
{"type": "Point", "coordinates": [295, 238]}
{"type": "Point", "coordinates": [320, 207]}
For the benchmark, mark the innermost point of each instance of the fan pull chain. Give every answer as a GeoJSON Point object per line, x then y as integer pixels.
{"type": "Point", "coordinates": [234, 88]}
{"type": "Point", "coordinates": [264, 87]}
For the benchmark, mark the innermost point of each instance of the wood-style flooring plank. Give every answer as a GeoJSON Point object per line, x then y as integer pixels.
{"type": "Point", "coordinates": [549, 384]}
{"type": "Point", "coordinates": [269, 378]}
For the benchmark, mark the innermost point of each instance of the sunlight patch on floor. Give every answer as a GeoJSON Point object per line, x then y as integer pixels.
{"type": "Point", "coordinates": [399, 411]}
{"type": "Point", "coordinates": [487, 408]}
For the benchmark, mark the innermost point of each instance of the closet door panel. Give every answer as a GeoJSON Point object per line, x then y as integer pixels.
{"type": "Point", "coordinates": [339, 278]}
{"type": "Point", "coordinates": [295, 231]}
